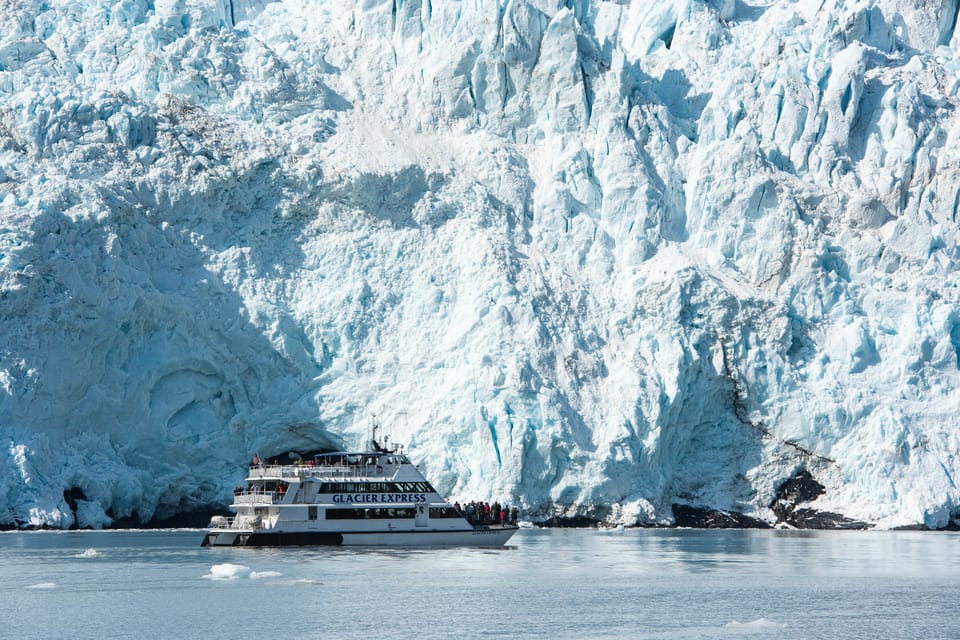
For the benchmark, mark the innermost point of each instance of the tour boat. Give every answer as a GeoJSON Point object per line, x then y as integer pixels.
{"type": "Point", "coordinates": [375, 497]}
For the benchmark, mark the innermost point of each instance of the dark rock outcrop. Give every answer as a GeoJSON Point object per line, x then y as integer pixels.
{"type": "Point", "coordinates": [569, 522]}
{"type": "Point", "coordinates": [706, 518]}
{"type": "Point", "coordinates": [814, 519]}
{"type": "Point", "coordinates": [801, 488]}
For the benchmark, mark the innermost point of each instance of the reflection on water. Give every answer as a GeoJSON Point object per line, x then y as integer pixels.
{"type": "Point", "coordinates": [662, 583]}
{"type": "Point", "coordinates": [776, 552]}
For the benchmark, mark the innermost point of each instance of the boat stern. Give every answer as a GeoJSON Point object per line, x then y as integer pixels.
{"type": "Point", "coordinates": [224, 533]}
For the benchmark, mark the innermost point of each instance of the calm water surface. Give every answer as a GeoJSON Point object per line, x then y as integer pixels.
{"type": "Point", "coordinates": [547, 583]}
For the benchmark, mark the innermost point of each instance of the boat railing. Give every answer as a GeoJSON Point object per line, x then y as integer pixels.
{"type": "Point", "coordinates": [257, 497]}
{"type": "Point", "coordinates": [222, 522]}
{"type": "Point", "coordinates": [325, 472]}
{"type": "Point", "coordinates": [236, 522]}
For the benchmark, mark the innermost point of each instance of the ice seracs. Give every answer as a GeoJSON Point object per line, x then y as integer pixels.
{"type": "Point", "coordinates": [623, 255]}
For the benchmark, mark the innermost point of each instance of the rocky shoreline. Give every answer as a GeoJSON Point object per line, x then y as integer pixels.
{"type": "Point", "coordinates": [798, 490]}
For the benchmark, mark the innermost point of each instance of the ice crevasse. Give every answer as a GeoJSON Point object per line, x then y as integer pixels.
{"type": "Point", "coordinates": [608, 260]}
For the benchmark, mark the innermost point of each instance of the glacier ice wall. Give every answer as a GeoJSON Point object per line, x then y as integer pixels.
{"type": "Point", "coordinates": [593, 257]}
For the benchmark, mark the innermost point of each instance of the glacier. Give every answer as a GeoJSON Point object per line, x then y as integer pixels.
{"type": "Point", "coordinates": [595, 258]}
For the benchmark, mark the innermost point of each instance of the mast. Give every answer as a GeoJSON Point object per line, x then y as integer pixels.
{"type": "Point", "coordinates": [374, 442]}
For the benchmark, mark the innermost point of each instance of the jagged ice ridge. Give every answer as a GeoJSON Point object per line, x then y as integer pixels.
{"type": "Point", "coordinates": [595, 258]}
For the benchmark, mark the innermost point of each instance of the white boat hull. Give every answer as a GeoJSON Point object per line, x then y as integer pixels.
{"type": "Point", "coordinates": [478, 537]}
{"type": "Point", "coordinates": [366, 498]}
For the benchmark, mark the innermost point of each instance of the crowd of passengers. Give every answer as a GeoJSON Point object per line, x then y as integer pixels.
{"type": "Point", "coordinates": [486, 513]}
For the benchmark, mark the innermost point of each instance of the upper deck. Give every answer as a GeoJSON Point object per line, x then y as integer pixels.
{"type": "Point", "coordinates": [341, 466]}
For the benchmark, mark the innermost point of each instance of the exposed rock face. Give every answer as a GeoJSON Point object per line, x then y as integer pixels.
{"type": "Point", "coordinates": [576, 521]}
{"type": "Point", "coordinates": [803, 488]}
{"type": "Point", "coordinates": [704, 518]}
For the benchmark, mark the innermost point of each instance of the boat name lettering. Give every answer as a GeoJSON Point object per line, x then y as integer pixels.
{"type": "Point", "coordinates": [379, 498]}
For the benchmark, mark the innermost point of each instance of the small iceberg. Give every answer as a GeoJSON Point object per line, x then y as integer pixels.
{"type": "Point", "coordinates": [43, 585]}
{"type": "Point", "coordinates": [228, 571]}
{"type": "Point", "coordinates": [756, 626]}
{"type": "Point", "coordinates": [260, 575]}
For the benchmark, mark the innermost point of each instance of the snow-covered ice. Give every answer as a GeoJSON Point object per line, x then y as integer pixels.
{"type": "Point", "coordinates": [594, 258]}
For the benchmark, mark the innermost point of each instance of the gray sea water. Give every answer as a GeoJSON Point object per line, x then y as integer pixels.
{"type": "Point", "coordinates": [547, 583]}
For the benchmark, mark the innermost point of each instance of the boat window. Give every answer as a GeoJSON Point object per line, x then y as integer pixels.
{"type": "Point", "coordinates": [416, 487]}
{"type": "Point", "coordinates": [311, 513]}
{"type": "Point", "coordinates": [370, 514]}
{"type": "Point", "coordinates": [444, 512]}
{"type": "Point", "coordinates": [376, 487]}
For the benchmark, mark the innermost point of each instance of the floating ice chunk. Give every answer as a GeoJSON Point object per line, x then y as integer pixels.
{"type": "Point", "coordinates": [228, 571]}
{"type": "Point", "coordinates": [88, 553]}
{"type": "Point", "coordinates": [43, 585]}
{"type": "Point", "coordinates": [260, 575]}
{"type": "Point", "coordinates": [756, 626]}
